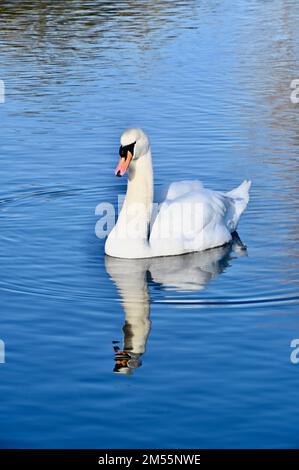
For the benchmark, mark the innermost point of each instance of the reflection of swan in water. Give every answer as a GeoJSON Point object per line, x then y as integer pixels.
{"type": "Point", "coordinates": [192, 271]}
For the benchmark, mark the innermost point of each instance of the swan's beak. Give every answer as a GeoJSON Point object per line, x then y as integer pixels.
{"type": "Point", "coordinates": [123, 164]}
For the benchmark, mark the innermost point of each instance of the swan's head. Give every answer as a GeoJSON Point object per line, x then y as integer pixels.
{"type": "Point", "coordinates": [133, 145]}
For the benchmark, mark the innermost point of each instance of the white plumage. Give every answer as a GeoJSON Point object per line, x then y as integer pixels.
{"type": "Point", "coordinates": [188, 218]}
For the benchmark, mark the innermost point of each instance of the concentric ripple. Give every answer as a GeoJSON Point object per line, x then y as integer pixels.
{"type": "Point", "coordinates": [53, 233]}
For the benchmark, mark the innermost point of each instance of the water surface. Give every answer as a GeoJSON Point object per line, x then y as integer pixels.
{"type": "Point", "coordinates": [210, 83]}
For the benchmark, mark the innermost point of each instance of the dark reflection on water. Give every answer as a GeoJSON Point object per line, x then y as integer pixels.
{"type": "Point", "coordinates": [210, 82]}
{"type": "Point", "coordinates": [57, 26]}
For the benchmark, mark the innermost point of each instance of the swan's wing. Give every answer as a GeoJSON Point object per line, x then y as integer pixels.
{"type": "Point", "coordinates": [190, 218]}
{"type": "Point", "coordinates": [176, 189]}
{"type": "Point", "coordinates": [186, 188]}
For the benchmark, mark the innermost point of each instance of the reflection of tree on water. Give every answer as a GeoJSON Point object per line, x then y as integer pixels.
{"type": "Point", "coordinates": [61, 24]}
{"type": "Point", "coordinates": [191, 272]}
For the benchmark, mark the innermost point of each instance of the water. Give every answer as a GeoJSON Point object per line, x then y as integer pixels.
{"type": "Point", "coordinates": [210, 82]}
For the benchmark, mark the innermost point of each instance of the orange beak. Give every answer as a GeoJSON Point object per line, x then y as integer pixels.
{"type": "Point", "coordinates": [123, 164]}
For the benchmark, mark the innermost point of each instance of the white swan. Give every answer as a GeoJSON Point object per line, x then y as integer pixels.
{"type": "Point", "coordinates": [189, 217]}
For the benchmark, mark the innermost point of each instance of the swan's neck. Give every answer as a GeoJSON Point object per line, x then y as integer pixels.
{"type": "Point", "coordinates": [140, 182]}
{"type": "Point", "coordinates": [129, 237]}
{"type": "Point", "coordinates": [135, 215]}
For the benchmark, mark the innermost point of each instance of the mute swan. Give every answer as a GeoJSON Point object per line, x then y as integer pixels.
{"type": "Point", "coordinates": [189, 217]}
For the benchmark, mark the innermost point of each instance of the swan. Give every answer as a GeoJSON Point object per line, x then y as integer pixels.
{"type": "Point", "coordinates": [183, 218]}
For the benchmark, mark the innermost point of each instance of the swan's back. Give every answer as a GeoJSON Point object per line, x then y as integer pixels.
{"type": "Point", "coordinates": [194, 218]}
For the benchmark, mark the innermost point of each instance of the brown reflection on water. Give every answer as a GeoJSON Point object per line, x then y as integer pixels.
{"type": "Point", "coordinates": [61, 24]}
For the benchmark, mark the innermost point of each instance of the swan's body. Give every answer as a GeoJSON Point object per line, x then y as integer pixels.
{"type": "Point", "coordinates": [189, 217]}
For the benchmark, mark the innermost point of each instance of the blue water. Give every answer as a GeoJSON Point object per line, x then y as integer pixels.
{"type": "Point", "coordinates": [210, 83]}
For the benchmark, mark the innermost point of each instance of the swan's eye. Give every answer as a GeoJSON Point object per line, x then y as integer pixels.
{"type": "Point", "coordinates": [124, 149]}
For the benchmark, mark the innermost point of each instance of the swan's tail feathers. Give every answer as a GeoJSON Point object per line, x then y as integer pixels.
{"type": "Point", "coordinates": [241, 192]}
{"type": "Point", "coordinates": [239, 198]}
